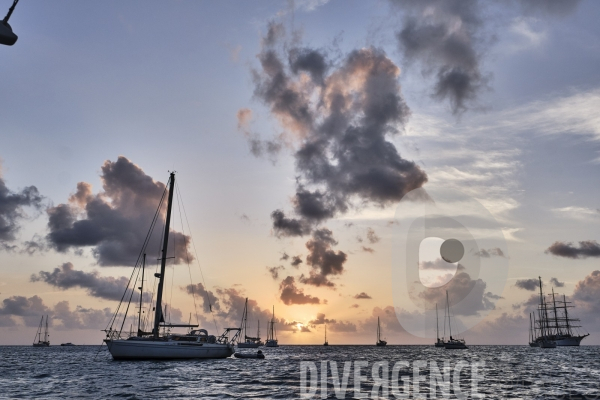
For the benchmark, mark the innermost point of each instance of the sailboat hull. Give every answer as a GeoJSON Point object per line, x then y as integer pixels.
{"type": "Point", "coordinates": [165, 350]}
{"type": "Point", "coordinates": [42, 344]}
{"type": "Point", "coordinates": [248, 345]}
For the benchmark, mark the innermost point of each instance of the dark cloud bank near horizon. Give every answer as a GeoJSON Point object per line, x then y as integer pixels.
{"type": "Point", "coordinates": [114, 223]}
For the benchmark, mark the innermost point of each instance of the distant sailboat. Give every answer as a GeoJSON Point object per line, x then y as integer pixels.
{"type": "Point", "coordinates": [249, 342]}
{"type": "Point", "coordinates": [453, 343]}
{"type": "Point", "coordinates": [326, 342]}
{"type": "Point", "coordinates": [271, 334]}
{"type": "Point", "coordinates": [38, 342]}
{"type": "Point", "coordinates": [197, 343]}
{"type": "Point", "coordinates": [439, 342]}
{"type": "Point", "coordinates": [379, 341]}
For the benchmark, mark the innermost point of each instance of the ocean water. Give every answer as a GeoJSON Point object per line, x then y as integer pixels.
{"type": "Point", "coordinates": [503, 372]}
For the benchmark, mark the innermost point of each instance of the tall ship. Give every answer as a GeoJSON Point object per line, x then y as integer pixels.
{"type": "Point", "coordinates": [37, 341]}
{"type": "Point", "coordinates": [248, 342]}
{"type": "Point", "coordinates": [160, 343]}
{"type": "Point", "coordinates": [379, 341]}
{"type": "Point", "coordinates": [553, 323]}
{"type": "Point", "coordinates": [271, 333]}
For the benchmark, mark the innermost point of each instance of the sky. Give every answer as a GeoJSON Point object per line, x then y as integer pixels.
{"type": "Point", "coordinates": [298, 129]}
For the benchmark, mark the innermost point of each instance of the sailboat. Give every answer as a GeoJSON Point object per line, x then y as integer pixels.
{"type": "Point", "coordinates": [379, 341]}
{"type": "Point", "coordinates": [439, 342]}
{"type": "Point", "coordinates": [326, 343]}
{"type": "Point", "coordinates": [196, 343]}
{"type": "Point", "coordinates": [554, 325]}
{"type": "Point", "coordinates": [249, 341]}
{"type": "Point", "coordinates": [38, 342]}
{"type": "Point", "coordinates": [271, 334]}
{"type": "Point", "coordinates": [453, 343]}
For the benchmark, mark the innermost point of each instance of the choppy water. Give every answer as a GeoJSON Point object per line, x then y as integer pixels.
{"type": "Point", "coordinates": [510, 372]}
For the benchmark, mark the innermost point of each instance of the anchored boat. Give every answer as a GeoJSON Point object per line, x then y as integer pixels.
{"type": "Point", "coordinates": [249, 341]}
{"type": "Point", "coordinates": [271, 334]}
{"type": "Point", "coordinates": [38, 342]}
{"type": "Point", "coordinates": [379, 341]}
{"type": "Point", "coordinates": [452, 343]}
{"type": "Point", "coordinates": [554, 324]}
{"type": "Point", "coordinates": [196, 343]}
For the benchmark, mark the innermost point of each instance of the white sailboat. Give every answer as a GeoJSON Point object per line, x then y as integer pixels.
{"type": "Point", "coordinates": [196, 343]}
{"type": "Point", "coordinates": [37, 341]}
{"type": "Point", "coordinates": [379, 341]}
{"type": "Point", "coordinates": [249, 342]}
{"type": "Point", "coordinates": [271, 334]}
{"type": "Point", "coordinates": [453, 343]}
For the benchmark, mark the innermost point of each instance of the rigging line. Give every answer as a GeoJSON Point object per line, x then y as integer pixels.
{"type": "Point", "coordinates": [145, 244]}
{"type": "Point", "coordinates": [130, 297]}
{"type": "Point", "coordinates": [199, 266]}
{"type": "Point", "coordinates": [187, 254]}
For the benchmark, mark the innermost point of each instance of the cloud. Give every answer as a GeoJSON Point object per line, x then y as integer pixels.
{"type": "Point", "coordinates": [296, 261]}
{"type": "Point", "coordinates": [468, 296]}
{"type": "Point", "coordinates": [290, 294]}
{"type": "Point", "coordinates": [587, 248]}
{"type": "Point", "coordinates": [284, 257]}
{"type": "Point", "coordinates": [113, 222]}
{"type": "Point", "coordinates": [332, 324]}
{"type": "Point", "coordinates": [362, 295]}
{"type": "Point", "coordinates": [587, 294]}
{"type": "Point", "coordinates": [274, 271]}
{"type": "Point", "coordinates": [66, 277]}
{"type": "Point", "coordinates": [12, 210]}
{"type": "Point", "coordinates": [527, 284]}
{"type": "Point", "coordinates": [372, 236]}
{"type": "Point", "coordinates": [324, 261]}
{"type": "Point", "coordinates": [556, 282]}
{"type": "Point", "coordinates": [338, 115]}
{"type": "Point", "coordinates": [367, 249]}
{"type": "Point", "coordinates": [494, 252]}
{"type": "Point", "coordinates": [443, 37]}
{"type": "Point", "coordinates": [388, 320]}
{"type": "Point", "coordinates": [61, 316]}
{"type": "Point", "coordinates": [437, 264]}
{"type": "Point", "coordinates": [208, 297]}
{"type": "Point", "coordinates": [354, 306]}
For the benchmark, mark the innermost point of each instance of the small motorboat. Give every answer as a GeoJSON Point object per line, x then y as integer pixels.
{"type": "Point", "coordinates": [67, 344]}
{"type": "Point", "coordinates": [258, 354]}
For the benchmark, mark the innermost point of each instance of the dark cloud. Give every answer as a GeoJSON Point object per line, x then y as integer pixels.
{"type": "Point", "coordinates": [438, 264]}
{"type": "Point", "coordinates": [61, 316]}
{"type": "Point", "coordinates": [320, 320]}
{"type": "Point", "coordinates": [443, 37]}
{"type": "Point", "coordinates": [274, 271]}
{"type": "Point", "coordinates": [528, 284]}
{"type": "Point", "coordinates": [67, 277]}
{"type": "Point", "coordinates": [284, 257]}
{"type": "Point", "coordinates": [587, 294]}
{"type": "Point", "coordinates": [332, 324]}
{"type": "Point", "coordinates": [362, 295]}
{"type": "Point", "coordinates": [556, 282]}
{"type": "Point", "coordinates": [472, 291]}
{"type": "Point", "coordinates": [12, 210]}
{"type": "Point", "coordinates": [367, 249]}
{"type": "Point", "coordinates": [284, 226]}
{"type": "Point", "coordinates": [548, 7]}
{"type": "Point", "coordinates": [207, 296]}
{"type": "Point", "coordinates": [290, 294]}
{"type": "Point", "coordinates": [493, 252]}
{"type": "Point", "coordinates": [114, 222]}
{"type": "Point", "coordinates": [324, 261]}
{"type": "Point", "coordinates": [37, 244]}
{"type": "Point", "coordinates": [587, 248]}
{"type": "Point", "coordinates": [340, 114]}
{"type": "Point", "coordinates": [372, 236]}
{"type": "Point", "coordinates": [296, 261]}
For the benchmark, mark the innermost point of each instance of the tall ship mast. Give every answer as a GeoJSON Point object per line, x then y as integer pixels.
{"type": "Point", "coordinates": [271, 335]}
{"type": "Point", "coordinates": [554, 324]}
{"type": "Point", "coordinates": [438, 342]}
{"type": "Point", "coordinates": [196, 343]}
{"type": "Point", "coordinates": [37, 341]}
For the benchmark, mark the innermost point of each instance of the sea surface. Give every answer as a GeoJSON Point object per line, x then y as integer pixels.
{"type": "Point", "coordinates": [504, 372]}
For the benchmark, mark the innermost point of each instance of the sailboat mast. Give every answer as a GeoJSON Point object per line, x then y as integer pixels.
{"type": "Point", "coordinates": [163, 261]}
{"type": "Point", "coordinates": [448, 305]}
{"type": "Point", "coordinates": [530, 329]}
{"type": "Point", "coordinates": [245, 319]}
{"type": "Point", "coordinates": [543, 331]}
{"type": "Point", "coordinates": [141, 296]}
{"type": "Point", "coordinates": [437, 323]}
{"type": "Point", "coordinates": [378, 329]}
{"type": "Point", "coordinates": [46, 330]}
{"type": "Point", "coordinates": [325, 332]}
